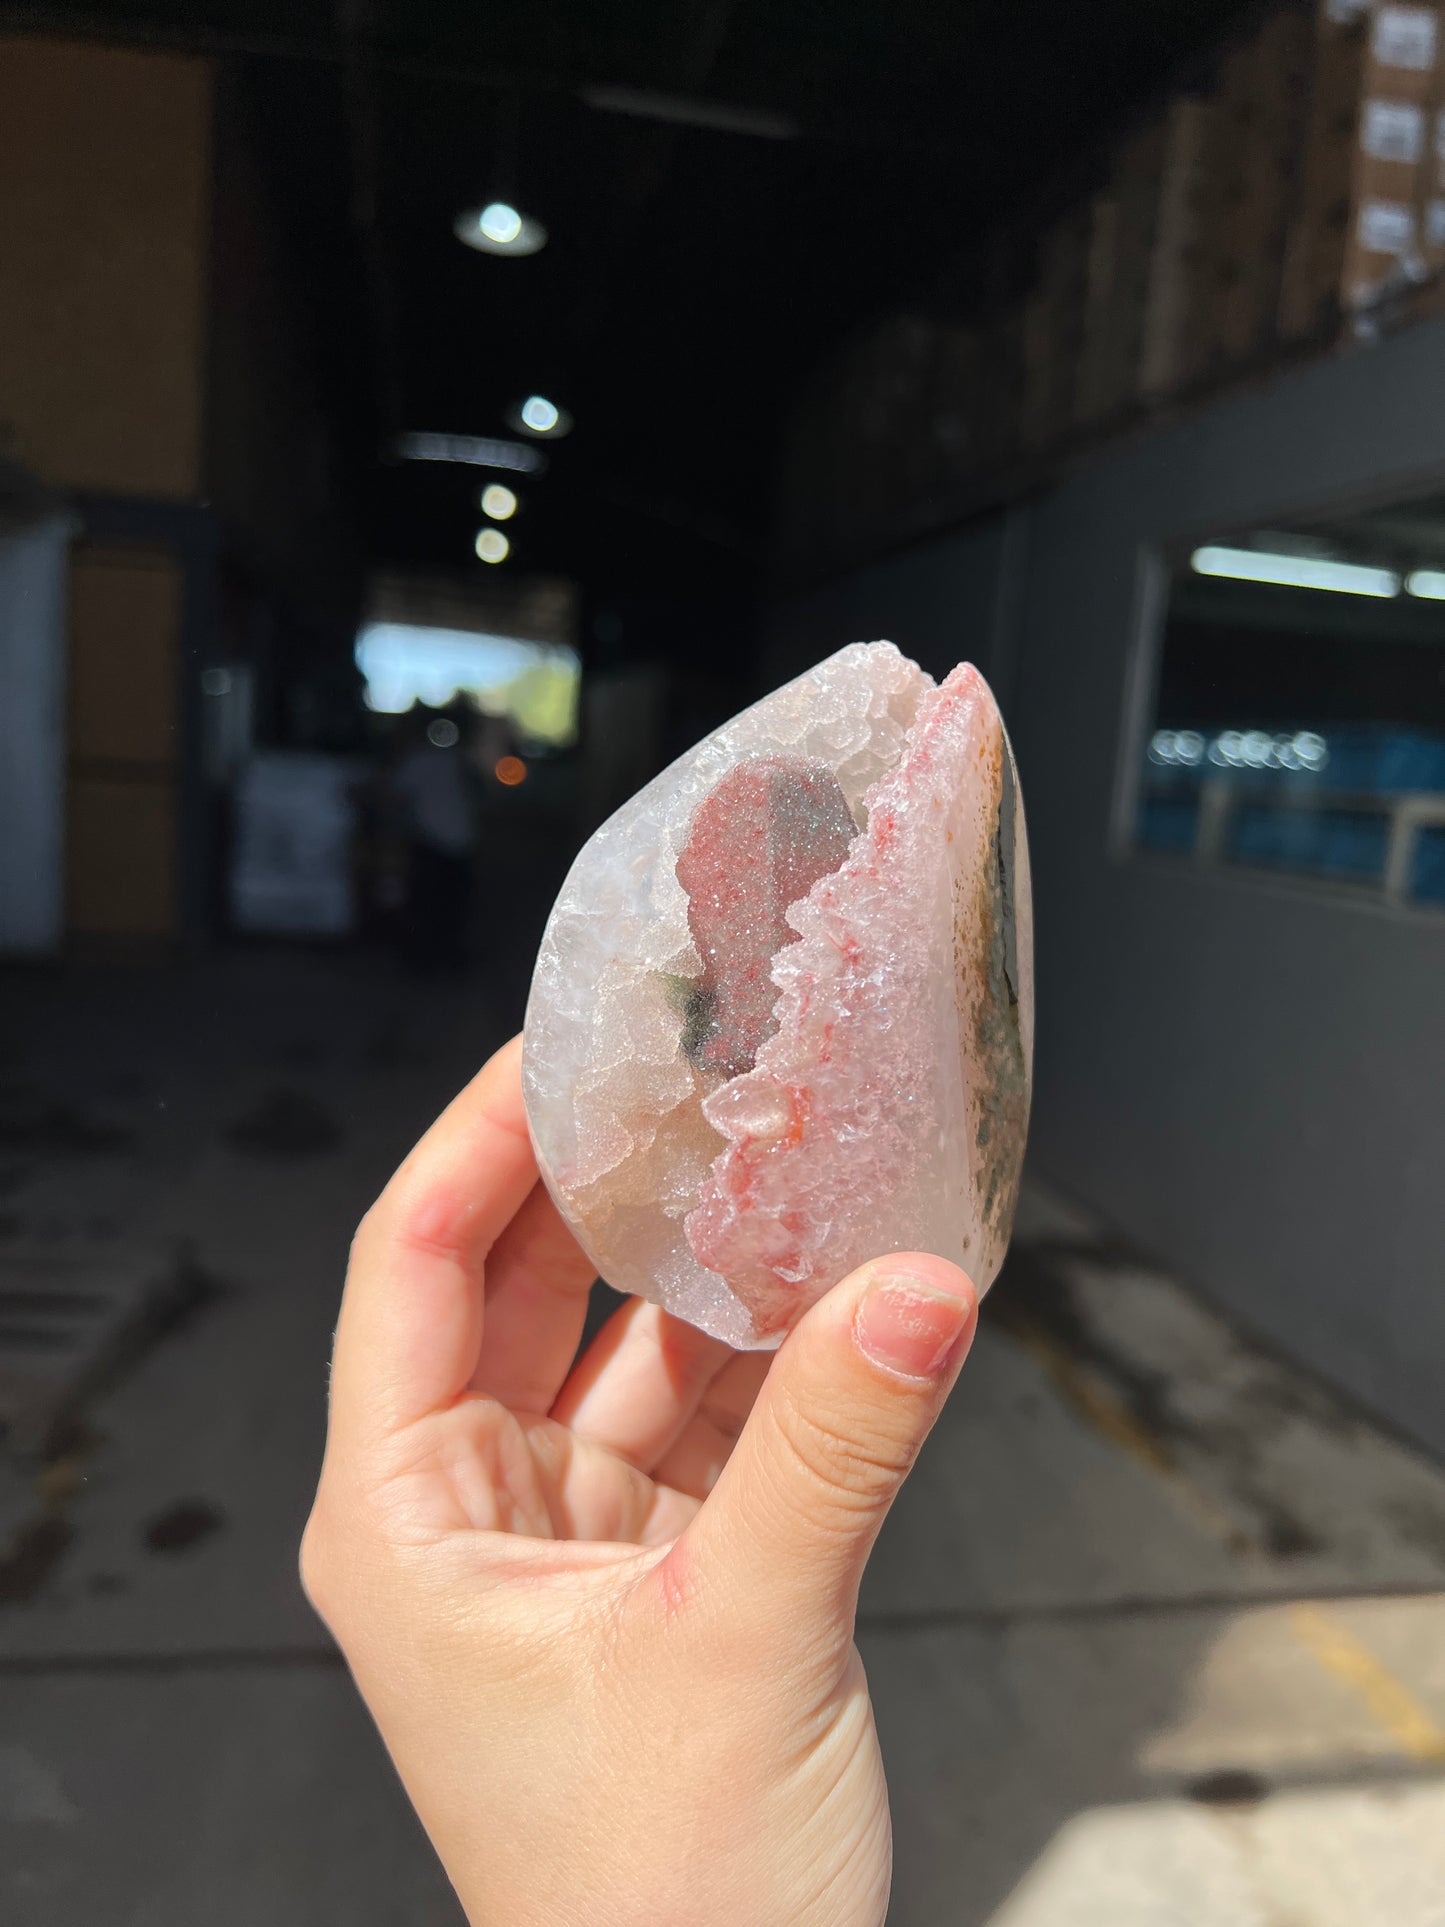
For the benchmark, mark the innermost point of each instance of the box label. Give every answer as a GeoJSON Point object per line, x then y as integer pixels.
{"type": "Point", "coordinates": [1405, 37]}
{"type": "Point", "coordinates": [1393, 130]}
{"type": "Point", "coordinates": [1386, 227]}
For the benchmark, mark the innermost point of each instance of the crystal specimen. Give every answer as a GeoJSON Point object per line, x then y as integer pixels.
{"type": "Point", "coordinates": [782, 1015]}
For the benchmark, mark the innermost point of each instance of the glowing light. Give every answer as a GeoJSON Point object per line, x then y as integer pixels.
{"type": "Point", "coordinates": [492, 545]}
{"type": "Point", "coordinates": [535, 684]}
{"type": "Point", "coordinates": [1429, 584]}
{"type": "Point", "coordinates": [539, 416]}
{"type": "Point", "coordinates": [443, 732]}
{"type": "Point", "coordinates": [1239, 749]}
{"type": "Point", "coordinates": [510, 770]}
{"type": "Point", "coordinates": [1310, 751]}
{"type": "Point", "coordinates": [1295, 571]}
{"type": "Point", "coordinates": [1183, 748]}
{"type": "Point", "coordinates": [498, 228]}
{"type": "Point", "coordinates": [499, 502]}
{"type": "Point", "coordinates": [500, 222]}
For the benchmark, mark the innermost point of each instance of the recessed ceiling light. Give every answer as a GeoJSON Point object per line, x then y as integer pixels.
{"type": "Point", "coordinates": [536, 415]}
{"type": "Point", "coordinates": [493, 546]}
{"type": "Point", "coordinates": [499, 228]}
{"type": "Point", "coordinates": [498, 501]}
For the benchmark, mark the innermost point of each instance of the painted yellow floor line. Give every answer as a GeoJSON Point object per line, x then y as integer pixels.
{"type": "Point", "coordinates": [1346, 1658]}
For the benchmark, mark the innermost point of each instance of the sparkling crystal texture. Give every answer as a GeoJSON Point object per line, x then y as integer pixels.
{"type": "Point", "coordinates": [782, 1015]}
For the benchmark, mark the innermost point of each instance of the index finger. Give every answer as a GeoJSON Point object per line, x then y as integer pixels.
{"type": "Point", "coordinates": [410, 1330]}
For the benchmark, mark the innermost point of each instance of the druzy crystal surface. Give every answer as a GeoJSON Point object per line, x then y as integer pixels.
{"type": "Point", "coordinates": [782, 1015]}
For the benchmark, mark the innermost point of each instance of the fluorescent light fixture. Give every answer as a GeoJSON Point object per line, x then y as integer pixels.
{"type": "Point", "coordinates": [498, 501]}
{"type": "Point", "coordinates": [477, 451]}
{"type": "Point", "coordinates": [678, 110]}
{"type": "Point", "coordinates": [1428, 584]}
{"type": "Point", "coordinates": [1295, 571]}
{"type": "Point", "coordinates": [493, 546]}
{"type": "Point", "coordinates": [537, 415]}
{"type": "Point", "coordinates": [498, 228]}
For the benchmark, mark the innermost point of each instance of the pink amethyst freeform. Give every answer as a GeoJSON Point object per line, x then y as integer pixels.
{"type": "Point", "coordinates": [782, 1015]}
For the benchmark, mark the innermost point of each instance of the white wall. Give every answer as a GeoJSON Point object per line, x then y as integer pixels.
{"type": "Point", "coordinates": [1246, 1075]}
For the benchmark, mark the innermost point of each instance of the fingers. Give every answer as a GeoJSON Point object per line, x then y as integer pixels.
{"type": "Point", "coordinates": [411, 1317]}
{"type": "Point", "coordinates": [850, 1398]}
{"type": "Point", "coordinates": [538, 1283]}
{"type": "Point", "coordinates": [693, 1463]}
{"type": "Point", "coordinates": [642, 1379]}
{"type": "Point", "coordinates": [591, 1495]}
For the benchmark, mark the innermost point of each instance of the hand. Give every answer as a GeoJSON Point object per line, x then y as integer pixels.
{"type": "Point", "coordinates": [602, 1616]}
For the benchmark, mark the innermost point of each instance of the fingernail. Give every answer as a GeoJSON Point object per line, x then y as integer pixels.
{"type": "Point", "coordinates": [910, 1326]}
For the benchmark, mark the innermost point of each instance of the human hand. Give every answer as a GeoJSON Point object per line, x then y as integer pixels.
{"type": "Point", "coordinates": [603, 1613]}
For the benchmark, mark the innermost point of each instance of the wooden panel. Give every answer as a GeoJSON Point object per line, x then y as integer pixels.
{"type": "Point", "coordinates": [125, 631]}
{"type": "Point", "coordinates": [121, 851]}
{"type": "Point", "coordinates": [104, 191]}
{"type": "Point", "coordinates": [125, 622]}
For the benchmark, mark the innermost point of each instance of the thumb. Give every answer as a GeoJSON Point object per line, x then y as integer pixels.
{"type": "Point", "coordinates": [849, 1400]}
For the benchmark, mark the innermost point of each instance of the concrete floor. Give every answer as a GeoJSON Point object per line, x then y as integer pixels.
{"type": "Point", "coordinates": [1157, 1633]}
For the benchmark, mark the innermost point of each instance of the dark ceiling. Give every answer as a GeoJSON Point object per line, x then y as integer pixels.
{"type": "Point", "coordinates": [693, 271]}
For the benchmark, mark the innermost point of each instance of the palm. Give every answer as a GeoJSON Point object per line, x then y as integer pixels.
{"type": "Point", "coordinates": [620, 1445]}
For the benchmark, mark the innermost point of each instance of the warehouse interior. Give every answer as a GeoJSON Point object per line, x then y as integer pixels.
{"type": "Point", "coordinates": [517, 393]}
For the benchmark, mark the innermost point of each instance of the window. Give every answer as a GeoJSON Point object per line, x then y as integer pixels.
{"type": "Point", "coordinates": [1299, 712]}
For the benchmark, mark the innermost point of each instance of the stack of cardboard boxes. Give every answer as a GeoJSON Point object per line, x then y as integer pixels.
{"type": "Point", "coordinates": [1269, 210]}
{"type": "Point", "coordinates": [1313, 288]}
{"type": "Point", "coordinates": [1174, 336]}
{"type": "Point", "coordinates": [1397, 232]}
{"type": "Point", "coordinates": [1051, 328]}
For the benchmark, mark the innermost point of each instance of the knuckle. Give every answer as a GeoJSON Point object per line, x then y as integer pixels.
{"type": "Point", "coordinates": [843, 1453]}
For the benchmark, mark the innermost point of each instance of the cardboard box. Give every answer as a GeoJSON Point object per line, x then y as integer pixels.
{"type": "Point", "coordinates": [1263, 107]}
{"type": "Point", "coordinates": [1051, 330]}
{"type": "Point", "coordinates": [1396, 232]}
{"type": "Point", "coordinates": [1146, 331]}
{"type": "Point", "coordinates": [1091, 392]}
{"type": "Point", "coordinates": [956, 450]}
{"type": "Point", "coordinates": [1175, 336]}
{"type": "Point", "coordinates": [1314, 258]}
{"type": "Point", "coordinates": [1001, 387]}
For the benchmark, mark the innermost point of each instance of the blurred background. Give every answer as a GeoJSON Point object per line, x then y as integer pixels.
{"type": "Point", "coordinates": [420, 423]}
